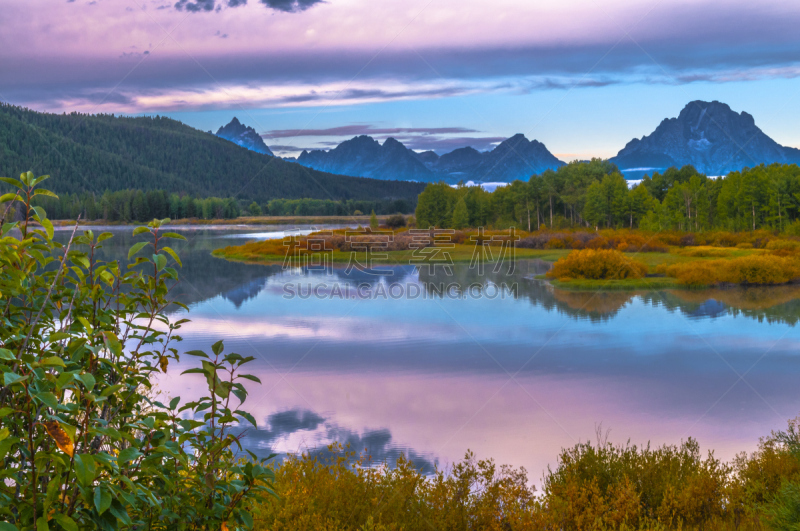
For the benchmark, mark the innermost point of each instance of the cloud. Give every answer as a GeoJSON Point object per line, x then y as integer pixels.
{"type": "Point", "coordinates": [363, 129]}
{"type": "Point", "coordinates": [290, 6]}
{"type": "Point", "coordinates": [287, 6]}
{"type": "Point", "coordinates": [196, 6]}
{"type": "Point", "coordinates": [279, 148]}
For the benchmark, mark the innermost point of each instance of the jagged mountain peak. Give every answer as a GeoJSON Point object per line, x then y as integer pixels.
{"type": "Point", "coordinates": [515, 158]}
{"type": "Point", "coordinates": [244, 136]}
{"type": "Point", "coordinates": [710, 136]}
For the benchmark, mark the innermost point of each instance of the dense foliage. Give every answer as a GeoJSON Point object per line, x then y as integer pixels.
{"type": "Point", "coordinates": [594, 194]}
{"type": "Point", "coordinates": [83, 443]}
{"type": "Point", "coordinates": [98, 153]}
{"type": "Point", "coordinates": [598, 486]}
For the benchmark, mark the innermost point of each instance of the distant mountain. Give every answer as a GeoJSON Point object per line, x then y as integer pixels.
{"type": "Point", "coordinates": [244, 136]}
{"type": "Point", "coordinates": [514, 158]}
{"type": "Point", "coordinates": [708, 135]}
{"type": "Point", "coordinates": [95, 153]}
{"type": "Point", "coordinates": [363, 156]}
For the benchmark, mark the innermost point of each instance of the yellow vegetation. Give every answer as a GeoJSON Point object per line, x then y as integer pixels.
{"type": "Point", "coordinates": [597, 486]}
{"type": "Point", "coordinates": [600, 264]}
{"type": "Point", "coordinates": [754, 269]}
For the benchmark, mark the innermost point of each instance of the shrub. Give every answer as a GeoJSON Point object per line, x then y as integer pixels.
{"type": "Point", "coordinates": [396, 221]}
{"type": "Point", "coordinates": [83, 446]}
{"type": "Point", "coordinates": [744, 245]}
{"type": "Point", "coordinates": [753, 269]}
{"type": "Point", "coordinates": [598, 243]}
{"type": "Point", "coordinates": [597, 264]}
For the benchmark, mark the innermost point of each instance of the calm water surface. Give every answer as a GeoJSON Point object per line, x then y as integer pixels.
{"type": "Point", "coordinates": [513, 376]}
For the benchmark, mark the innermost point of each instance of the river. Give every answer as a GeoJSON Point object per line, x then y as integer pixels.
{"type": "Point", "coordinates": [501, 363]}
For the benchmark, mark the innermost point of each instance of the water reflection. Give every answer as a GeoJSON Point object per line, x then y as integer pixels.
{"type": "Point", "coordinates": [514, 377]}
{"type": "Point", "coordinates": [302, 431]}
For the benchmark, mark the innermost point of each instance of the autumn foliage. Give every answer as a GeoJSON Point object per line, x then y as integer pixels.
{"type": "Point", "coordinates": [749, 270]}
{"type": "Point", "coordinates": [602, 264]}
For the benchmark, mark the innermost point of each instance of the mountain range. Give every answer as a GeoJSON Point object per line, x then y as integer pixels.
{"type": "Point", "coordinates": [708, 135]}
{"type": "Point", "coordinates": [363, 156]}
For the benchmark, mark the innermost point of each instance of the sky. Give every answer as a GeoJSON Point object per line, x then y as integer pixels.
{"type": "Point", "coordinates": [582, 76]}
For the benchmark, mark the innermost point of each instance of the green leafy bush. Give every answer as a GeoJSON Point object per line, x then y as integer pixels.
{"type": "Point", "coordinates": [82, 444]}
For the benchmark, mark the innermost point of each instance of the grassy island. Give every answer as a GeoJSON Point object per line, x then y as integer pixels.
{"type": "Point", "coordinates": [606, 259]}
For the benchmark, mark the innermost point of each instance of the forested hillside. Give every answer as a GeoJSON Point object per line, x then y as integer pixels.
{"type": "Point", "coordinates": [595, 194]}
{"type": "Point", "coordinates": [99, 153]}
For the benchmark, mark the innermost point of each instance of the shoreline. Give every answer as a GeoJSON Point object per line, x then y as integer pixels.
{"type": "Point", "coordinates": [243, 222]}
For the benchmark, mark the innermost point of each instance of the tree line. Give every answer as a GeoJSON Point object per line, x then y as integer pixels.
{"type": "Point", "coordinates": [138, 205]}
{"type": "Point", "coordinates": [595, 194]}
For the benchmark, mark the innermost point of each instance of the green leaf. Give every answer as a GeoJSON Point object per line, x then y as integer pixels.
{"type": "Point", "coordinates": [111, 390]}
{"type": "Point", "coordinates": [128, 454]}
{"type": "Point", "coordinates": [41, 524]}
{"type": "Point", "coordinates": [84, 468]}
{"type": "Point", "coordinates": [5, 526]}
{"type": "Point", "coordinates": [248, 416]}
{"type": "Point", "coordinates": [44, 192]}
{"type": "Point", "coordinates": [249, 377]}
{"type": "Point", "coordinates": [66, 522]}
{"type": "Point", "coordinates": [112, 343]}
{"type": "Point", "coordinates": [48, 226]}
{"type": "Point", "coordinates": [174, 235]}
{"type": "Point", "coordinates": [5, 411]}
{"type": "Point", "coordinates": [39, 179]}
{"type": "Point", "coordinates": [247, 518]}
{"type": "Point", "coordinates": [102, 499]}
{"type": "Point", "coordinates": [173, 254]}
{"type": "Point", "coordinates": [135, 248]}
{"type": "Point", "coordinates": [13, 182]}
{"type": "Point", "coordinates": [10, 378]}
{"type": "Point", "coordinates": [51, 361]}
{"type": "Point", "coordinates": [198, 353]}
{"type": "Point", "coordinates": [4, 433]}
{"type": "Point", "coordinates": [160, 260]}
{"type": "Point", "coordinates": [119, 512]}
{"type": "Point", "coordinates": [85, 324]}
{"type": "Point", "coordinates": [6, 354]}
{"type": "Point", "coordinates": [139, 230]}
{"type": "Point", "coordinates": [47, 398]}
{"type": "Point", "coordinates": [174, 402]}
{"type": "Point", "coordinates": [104, 236]}
{"type": "Point", "coordinates": [217, 347]}
{"type": "Point", "coordinates": [9, 197]}
{"type": "Point", "coordinates": [88, 380]}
